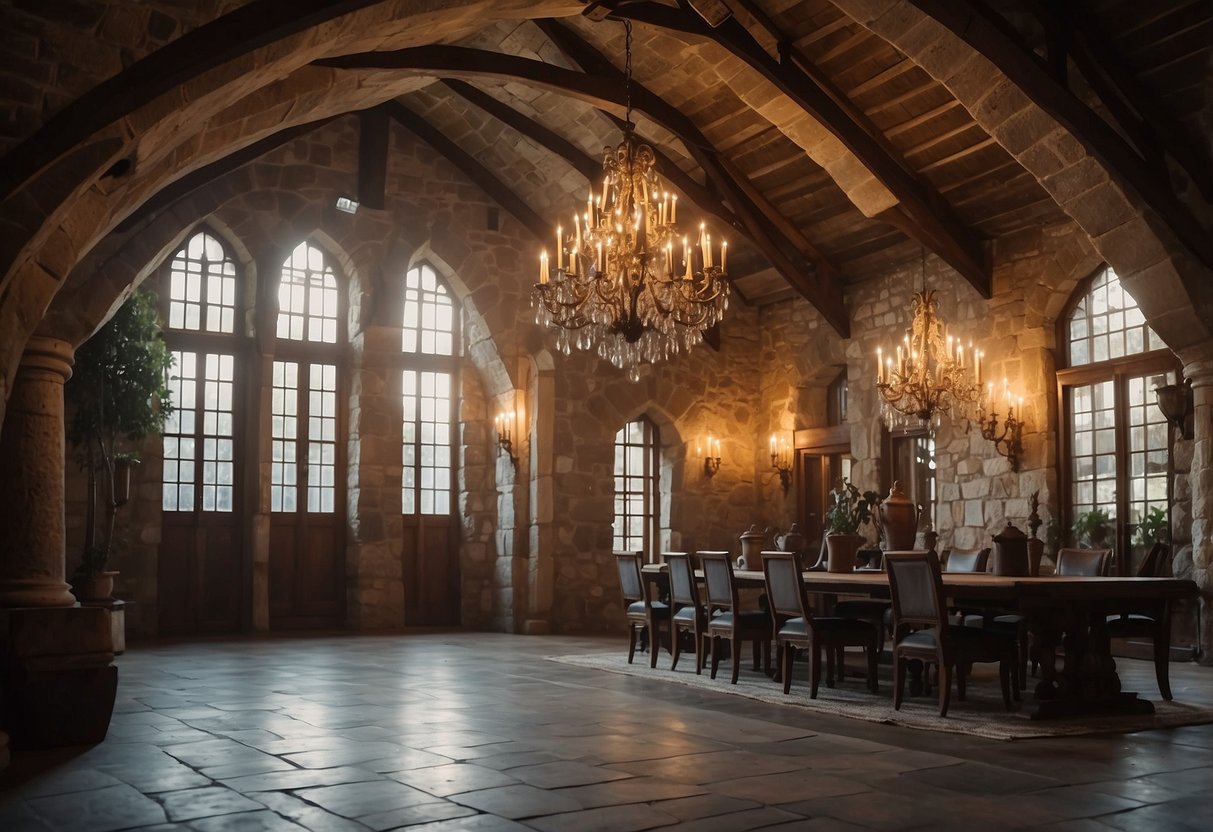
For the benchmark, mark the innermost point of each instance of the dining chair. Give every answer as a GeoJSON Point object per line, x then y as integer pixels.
{"type": "Point", "coordinates": [966, 560]}
{"type": "Point", "coordinates": [642, 612]}
{"type": "Point", "coordinates": [795, 625]}
{"type": "Point", "coordinates": [690, 615]}
{"type": "Point", "coordinates": [1157, 629]}
{"type": "Point", "coordinates": [921, 631]}
{"type": "Point", "coordinates": [1083, 563]}
{"type": "Point", "coordinates": [732, 622]}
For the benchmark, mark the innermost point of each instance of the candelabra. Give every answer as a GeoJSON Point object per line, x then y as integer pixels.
{"type": "Point", "coordinates": [711, 456]}
{"type": "Point", "coordinates": [781, 461]}
{"type": "Point", "coordinates": [505, 442]}
{"type": "Point", "coordinates": [1007, 437]}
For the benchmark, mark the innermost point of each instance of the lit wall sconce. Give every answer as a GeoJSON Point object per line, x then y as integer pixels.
{"type": "Point", "coordinates": [1007, 438]}
{"type": "Point", "coordinates": [505, 435]}
{"type": "Point", "coordinates": [1175, 402]}
{"type": "Point", "coordinates": [781, 461]}
{"type": "Point", "coordinates": [711, 456]}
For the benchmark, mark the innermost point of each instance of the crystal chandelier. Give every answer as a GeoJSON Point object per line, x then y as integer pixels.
{"type": "Point", "coordinates": [930, 373]}
{"type": "Point", "coordinates": [625, 282]}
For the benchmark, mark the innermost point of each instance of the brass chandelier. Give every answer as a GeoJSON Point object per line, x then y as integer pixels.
{"type": "Point", "coordinates": [625, 282]}
{"type": "Point", "coordinates": [930, 373]}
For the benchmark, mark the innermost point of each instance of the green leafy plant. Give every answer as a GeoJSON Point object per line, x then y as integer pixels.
{"type": "Point", "coordinates": [850, 509]}
{"type": "Point", "coordinates": [1155, 527]}
{"type": "Point", "coordinates": [118, 393]}
{"type": "Point", "coordinates": [1092, 527]}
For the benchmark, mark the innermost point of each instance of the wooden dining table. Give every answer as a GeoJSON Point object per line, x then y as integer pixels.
{"type": "Point", "coordinates": [1066, 612]}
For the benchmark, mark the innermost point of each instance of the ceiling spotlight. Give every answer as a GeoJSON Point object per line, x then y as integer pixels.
{"type": "Point", "coordinates": [349, 206]}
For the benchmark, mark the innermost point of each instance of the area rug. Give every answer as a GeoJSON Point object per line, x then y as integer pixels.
{"type": "Point", "coordinates": [981, 714]}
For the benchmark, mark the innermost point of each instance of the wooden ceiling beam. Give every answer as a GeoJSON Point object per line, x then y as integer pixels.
{"type": "Point", "coordinates": [981, 28]}
{"type": "Point", "coordinates": [823, 288]}
{"type": "Point", "coordinates": [812, 91]}
{"type": "Point", "coordinates": [471, 167]}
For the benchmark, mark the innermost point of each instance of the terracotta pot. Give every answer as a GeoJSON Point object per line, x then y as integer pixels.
{"type": "Point", "coordinates": [899, 519]}
{"type": "Point", "coordinates": [842, 549]}
{"type": "Point", "coordinates": [98, 587]}
{"type": "Point", "coordinates": [753, 542]}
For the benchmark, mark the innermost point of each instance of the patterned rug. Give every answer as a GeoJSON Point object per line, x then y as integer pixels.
{"type": "Point", "coordinates": [981, 714]}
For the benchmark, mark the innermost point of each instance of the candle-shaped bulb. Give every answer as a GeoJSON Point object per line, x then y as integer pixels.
{"type": "Point", "coordinates": [724, 255]}
{"type": "Point", "coordinates": [673, 208]}
{"type": "Point", "coordinates": [543, 268]}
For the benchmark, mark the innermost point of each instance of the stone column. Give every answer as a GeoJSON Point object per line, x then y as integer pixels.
{"type": "Point", "coordinates": [1198, 367]}
{"type": "Point", "coordinates": [32, 531]}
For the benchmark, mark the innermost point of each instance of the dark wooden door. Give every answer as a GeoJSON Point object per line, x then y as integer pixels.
{"type": "Point", "coordinates": [201, 577]}
{"type": "Point", "coordinates": [307, 521]}
{"type": "Point", "coordinates": [431, 571]}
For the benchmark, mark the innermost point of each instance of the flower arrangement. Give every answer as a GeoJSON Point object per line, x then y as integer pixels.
{"type": "Point", "coordinates": [850, 509]}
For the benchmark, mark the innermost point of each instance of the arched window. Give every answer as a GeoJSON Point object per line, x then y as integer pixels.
{"type": "Point", "coordinates": [1115, 442]}
{"type": "Point", "coordinates": [429, 403]}
{"type": "Point", "coordinates": [427, 345]}
{"type": "Point", "coordinates": [199, 456]}
{"type": "Point", "coordinates": [200, 536]}
{"type": "Point", "coordinates": [307, 297]}
{"type": "Point", "coordinates": [637, 500]}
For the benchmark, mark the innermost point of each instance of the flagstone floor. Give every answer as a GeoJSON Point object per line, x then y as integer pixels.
{"type": "Point", "coordinates": [472, 731]}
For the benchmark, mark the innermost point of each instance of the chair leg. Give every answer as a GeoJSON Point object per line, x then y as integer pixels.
{"type": "Point", "coordinates": [654, 645]}
{"type": "Point", "coordinates": [755, 649]}
{"type": "Point", "coordinates": [631, 641]}
{"type": "Point", "coordinates": [899, 680]}
{"type": "Point", "coordinates": [675, 647]}
{"type": "Point", "coordinates": [1162, 656]}
{"type": "Point", "coordinates": [787, 657]}
{"type": "Point", "coordinates": [945, 687]}
{"type": "Point", "coordinates": [1005, 677]}
{"type": "Point", "coordinates": [1022, 672]}
{"type": "Point", "coordinates": [735, 655]}
{"type": "Point", "coordinates": [701, 652]}
{"type": "Point", "coordinates": [873, 663]}
{"type": "Point", "coordinates": [815, 668]}
{"type": "Point", "coordinates": [715, 654]}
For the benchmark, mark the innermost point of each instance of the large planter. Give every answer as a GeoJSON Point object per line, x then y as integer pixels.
{"type": "Point", "coordinates": [899, 519]}
{"type": "Point", "coordinates": [97, 587]}
{"type": "Point", "coordinates": [842, 549]}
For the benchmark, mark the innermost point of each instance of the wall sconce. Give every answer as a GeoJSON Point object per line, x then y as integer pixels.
{"type": "Point", "coordinates": [781, 461]}
{"type": "Point", "coordinates": [1175, 402]}
{"type": "Point", "coordinates": [711, 457]}
{"type": "Point", "coordinates": [505, 435]}
{"type": "Point", "coordinates": [1008, 440]}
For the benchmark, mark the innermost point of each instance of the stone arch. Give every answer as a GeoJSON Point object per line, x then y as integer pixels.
{"type": "Point", "coordinates": [1150, 260]}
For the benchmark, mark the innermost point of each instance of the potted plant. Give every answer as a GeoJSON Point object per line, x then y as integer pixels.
{"type": "Point", "coordinates": [1091, 528]}
{"type": "Point", "coordinates": [849, 511]}
{"type": "Point", "coordinates": [118, 394]}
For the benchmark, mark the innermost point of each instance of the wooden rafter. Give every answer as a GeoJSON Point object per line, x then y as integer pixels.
{"type": "Point", "coordinates": [981, 28]}
{"type": "Point", "coordinates": [934, 223]}
{"type": "Point", "coordinates": [820, 287]}
{"type": "Point", "coordinates": [471, 167]}
{"type": "Point", "coordinates": [235, 33]}
{"type": "Point", "coordinates": [758, 216]}
{"type": "Point", "coordinates": [207, 174]}
{"type": "Point", "coordinates": [373, 135]}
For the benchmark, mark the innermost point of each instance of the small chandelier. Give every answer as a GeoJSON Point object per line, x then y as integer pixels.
{"type": "Point", "coordinates": [930, 374]}
{"type": "Point", "coordinates": [625, 282]}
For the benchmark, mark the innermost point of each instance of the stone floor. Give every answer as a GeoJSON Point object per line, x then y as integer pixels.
{"type": "Point", "coordinates": [464, 731]}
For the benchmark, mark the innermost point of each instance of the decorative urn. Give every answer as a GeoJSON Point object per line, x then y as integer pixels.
{"type": "Point", "coordinates": [1011, 553]}
{"type": "Point", "coordinates": [899, 519]}
{"type": "Point", "coordinates": [753, 542]}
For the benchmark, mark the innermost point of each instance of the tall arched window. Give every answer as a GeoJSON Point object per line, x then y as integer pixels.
{"type": "Point", "coordinates": [429, 401]}
{"type": "Point", "coordinates": [307, 528]}
{"type": "Point", "coordinates": [200, 551]}
{"type": "Point", "coordinates": [1115, 442]}
{"type": "Point", "coordinates": [637, 498]}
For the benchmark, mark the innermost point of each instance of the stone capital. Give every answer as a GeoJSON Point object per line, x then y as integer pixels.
{"type": "Point", "coordinates": [1198, 363]}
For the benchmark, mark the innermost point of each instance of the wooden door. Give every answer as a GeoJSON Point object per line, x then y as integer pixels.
{"type": "Point", "coordinates": [201, 584]}
{"type": "Point", "coordinates": [430, 557]}
{"type": "Point", "coordinates": [306, 551]}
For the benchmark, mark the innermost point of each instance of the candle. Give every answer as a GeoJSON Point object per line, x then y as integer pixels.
{"type": "Point", "coordinates": [543, 268]}
{"type": "Point", "coordinates": [673, 208]}
{"type": "Point", "coordinates": [879, 366]}
{"type": "Point", "coordinates": [724, 255]}
{"type": "Point", "coordinates": [772, 444]}
{"type": "Point", "coordinates": [559, 247]}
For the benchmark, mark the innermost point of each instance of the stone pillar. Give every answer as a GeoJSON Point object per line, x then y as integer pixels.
{"type": "Point", "coordinates": [1198, 367]}
{"type": "Point", "coordinates": [32, 532]}
{"type": "Point", "coordinates": [55, 657]}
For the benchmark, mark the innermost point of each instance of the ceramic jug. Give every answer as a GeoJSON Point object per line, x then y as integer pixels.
{"type": "Point", "coordinates": [753, 542]}
{"type": "Point", "coordinates": [1011, 552]}
{"type": "Point", "coordinates": [790, 541]}
{"type": "Point", "coordinates": [899, 519]}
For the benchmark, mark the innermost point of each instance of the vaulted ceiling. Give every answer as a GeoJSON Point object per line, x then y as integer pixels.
{"type": "Point", "coordinates": [822, 152]}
